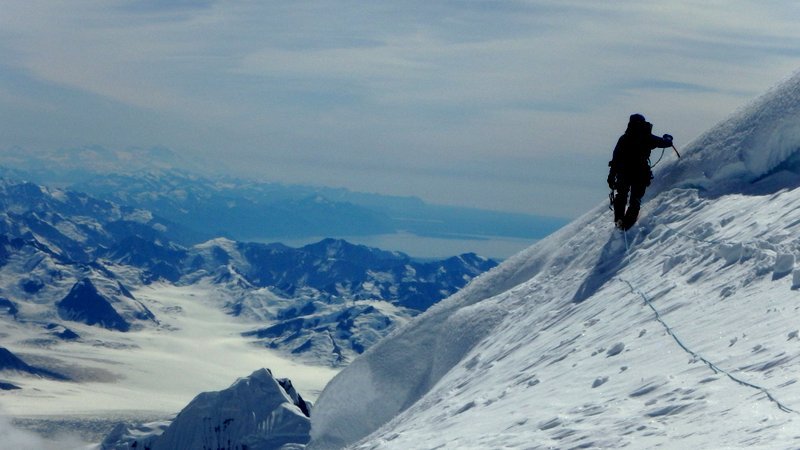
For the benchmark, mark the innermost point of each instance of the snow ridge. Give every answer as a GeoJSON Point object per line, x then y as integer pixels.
{"type": "Point", "coordinates": [760, 140]}
{"type": "Point", "coordinates": [574, 360]}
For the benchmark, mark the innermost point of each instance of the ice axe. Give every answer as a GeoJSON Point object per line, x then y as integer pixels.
{"type": "Point", "coordinates": [668, 138]}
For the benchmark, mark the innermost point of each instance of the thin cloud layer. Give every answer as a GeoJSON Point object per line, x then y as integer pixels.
{"type": "Point", "coordinates": [385, 96]}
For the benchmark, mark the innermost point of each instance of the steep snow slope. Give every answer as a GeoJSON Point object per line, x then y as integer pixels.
{"type": "Point", "coordinates": [681, 333]}
{"type": "Point", "coordinates": [754, 151]}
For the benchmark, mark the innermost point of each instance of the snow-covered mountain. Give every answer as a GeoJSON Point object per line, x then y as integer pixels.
{"type": "Point", "coordinates": [682, 333]}
{"type": "Point", "coordinates": [335, 268]}
{"type": "Point", "coordinates": [13, 363]}
{"type": "Point", "coordinates": [258, 412]}
{"type": "Point", "coordinates": [74, 225]}
{"type": "Point", "coordinates": [40, 287]}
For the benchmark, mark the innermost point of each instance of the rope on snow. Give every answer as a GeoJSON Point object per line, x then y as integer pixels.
{"type": "Point", "coordinates": [683, 346]}
{"type": "Point", "coordinates": [697, 356]}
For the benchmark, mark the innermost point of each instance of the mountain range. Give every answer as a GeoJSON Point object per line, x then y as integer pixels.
{"type": "Point", "coordinates": [200, 205]}
{"type": "Point", "coordinates": [66, 256]}
{"type": "Point", "coordinates": [87, 283]}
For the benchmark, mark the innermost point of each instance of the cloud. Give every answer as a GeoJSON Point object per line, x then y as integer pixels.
{"type": "Point", "coordinates": [670, 85]}
{"type": "Point", "coordinates": [474, 55]}
{"type": "Point", "coordinates": [413, 86]}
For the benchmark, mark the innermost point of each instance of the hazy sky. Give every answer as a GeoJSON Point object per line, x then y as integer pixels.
{"type": "Point", "coordinates": [511, 105]}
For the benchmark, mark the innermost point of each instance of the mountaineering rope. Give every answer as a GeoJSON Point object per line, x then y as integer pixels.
{"type": "Point", "coordinates": [694, 354]}
{"type": "Point", "coordinates": [658, 161]}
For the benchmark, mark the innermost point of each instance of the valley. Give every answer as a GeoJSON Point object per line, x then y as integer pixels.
{"type": "Point", "coordinates": [145, 374]}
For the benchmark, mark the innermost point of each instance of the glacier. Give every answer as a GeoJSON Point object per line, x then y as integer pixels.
{"type": "Point", "coordinates": [681, 333]}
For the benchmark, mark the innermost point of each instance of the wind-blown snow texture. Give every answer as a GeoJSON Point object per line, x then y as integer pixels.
{"type": "Point", "coordinates": [686, 338]}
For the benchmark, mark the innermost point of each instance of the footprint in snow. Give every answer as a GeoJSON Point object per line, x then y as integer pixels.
{"type": "Point", "coordinates": [667, 410]}
{"type": "Point", "coordinates": [466, 408]}
{"type": "Point", "coordinates": [552, 423]}
{"type": "Point", "coordinates": [615, 350]}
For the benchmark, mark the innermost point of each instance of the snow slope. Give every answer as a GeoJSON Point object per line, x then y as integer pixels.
{"type": "Point", "coordinates": [682, 333]}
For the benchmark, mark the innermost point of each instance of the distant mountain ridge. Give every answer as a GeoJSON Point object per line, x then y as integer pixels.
{"type": "Point", "coordinates": [76, 224]}
{"type": "Point", "coordinates": [335, 267]}
{"type": "Point", "coordinates": [208, 206]}
{"type": "Point", "coordinates": [66, 256]}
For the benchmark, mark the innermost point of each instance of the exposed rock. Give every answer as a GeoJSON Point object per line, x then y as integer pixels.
{"type": "Point", "coordinates": [11, 362]}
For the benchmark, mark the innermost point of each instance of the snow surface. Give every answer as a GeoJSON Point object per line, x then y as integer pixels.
{"type": "Point", "coordinates": [682, 333]}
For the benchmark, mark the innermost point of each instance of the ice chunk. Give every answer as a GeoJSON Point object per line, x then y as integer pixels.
{"type": "Point", "coordinates": [784, 265]}
{"type": "Point", "coordinates": [616, 349]}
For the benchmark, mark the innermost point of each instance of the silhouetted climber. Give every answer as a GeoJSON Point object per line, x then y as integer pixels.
{"type": "Point", "coordinates": [630, 168]}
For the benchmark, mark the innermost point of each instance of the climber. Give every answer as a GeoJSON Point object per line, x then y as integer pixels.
{"type": "Point", "coordinates": [630, 168]}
